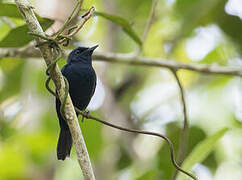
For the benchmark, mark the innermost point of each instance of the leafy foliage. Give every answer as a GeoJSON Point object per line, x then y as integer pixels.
{"type": "Point", "coordinates": [202, 150]}
{"type": "Point", "coordinates": [19, 36]}
{"type": "Point", "coordinates": [123, 23]}
{"type": "Point", "coordinates": [9, 10]}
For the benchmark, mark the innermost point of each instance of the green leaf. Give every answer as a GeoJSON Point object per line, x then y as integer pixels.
{"type": "Point", "coordinates": [173, 130]}
{"type": "Point", "coordinates": [19, 36]}
{"type": "Point", "coordinates": [149, 175]}
{"type": "Point", "coordinates": [203, 149]}
{"type": "Point", "coordinates": [13, 73]}
{"type": "Point", "coordinates": [9, 10]}
{"type": "Point", "coordinates": [123, 23]}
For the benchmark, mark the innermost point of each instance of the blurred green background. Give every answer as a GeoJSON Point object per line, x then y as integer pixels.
{"type": "Point", "coordinates": [189, 31]}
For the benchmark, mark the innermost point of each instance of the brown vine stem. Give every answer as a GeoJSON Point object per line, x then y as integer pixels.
{"type": "Point", "coordinates": [178, 168]}
{"type": "Point", "coordinates": [183, 143]}
{"type": "Point", "coordinates": [26, 10]}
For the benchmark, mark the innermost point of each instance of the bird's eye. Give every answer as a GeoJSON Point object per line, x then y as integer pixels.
{"type": "Point", "coordinates": [78, 52]}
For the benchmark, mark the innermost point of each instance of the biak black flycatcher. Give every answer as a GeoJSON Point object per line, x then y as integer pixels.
{"type": "Point", "coordinates": [82, 83]}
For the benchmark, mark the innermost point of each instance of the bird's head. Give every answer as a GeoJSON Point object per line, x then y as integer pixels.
{"type": "Point", "coordinates": [81, 54]}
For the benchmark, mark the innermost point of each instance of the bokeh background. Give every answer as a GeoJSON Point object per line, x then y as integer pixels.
{"type": "Point", "coordinates": [189, 31]}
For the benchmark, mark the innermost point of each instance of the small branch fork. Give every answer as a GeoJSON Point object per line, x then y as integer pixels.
{"type": "Point", "coordinates": [68, 20]}
{"type": "Point", "coordinates": [84, 19]}
{"type": "Point", "coordinates": [60, 38]}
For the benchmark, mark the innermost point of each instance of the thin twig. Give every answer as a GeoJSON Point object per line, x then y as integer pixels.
{"type": "Point", "coordinates": [150, 20]}
{"type": "Point", "coordinates": [147, 27]}
{"type": "Point", "coordinates": [82, 155]}
{"type": "Point", "coordinates": [183, 143]}
{"type": "Point", "coordinates": [68, 20]}
{"type": "Point", "coordinates": [84, 19]}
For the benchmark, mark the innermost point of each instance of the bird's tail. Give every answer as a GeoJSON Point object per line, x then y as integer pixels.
{"type": "Point", "coordinates": [64, 144]}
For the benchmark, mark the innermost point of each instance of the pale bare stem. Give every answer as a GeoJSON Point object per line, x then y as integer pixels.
{"type": "Point", "coordinates": [68, 20]}
{"type": "Point", "coordinates": [84, 19]}
{"type": "Point", "coordinates": [129, 59]}
{"type": "Point", "coordinates": [166, 63]}
{"type": "Point", "coordinates": [26, 10]}
{"type": "Point", "coordinates": [183, 143]}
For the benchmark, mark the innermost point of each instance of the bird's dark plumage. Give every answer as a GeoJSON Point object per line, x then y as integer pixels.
{"type": "Point", "coordinates": [82, 83]}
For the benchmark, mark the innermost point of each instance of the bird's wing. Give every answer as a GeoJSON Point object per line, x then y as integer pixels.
{"type": "Point", "coordinates": [82, 82]}
{"type": "Point", "coordinates": [64, 70]}
{"type": "Point", "coordinates": [94, 84]}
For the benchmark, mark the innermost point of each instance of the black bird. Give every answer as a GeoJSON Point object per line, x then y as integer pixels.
{"type": "Point", "coordinates": [82, 83]}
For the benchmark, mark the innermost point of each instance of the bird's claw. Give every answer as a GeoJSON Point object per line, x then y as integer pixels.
{"type": "Point", "coordinates": [85, 115]}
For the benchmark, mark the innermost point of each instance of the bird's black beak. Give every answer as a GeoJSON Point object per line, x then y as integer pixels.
{"type": "Point", "coordinates": [93, 48]}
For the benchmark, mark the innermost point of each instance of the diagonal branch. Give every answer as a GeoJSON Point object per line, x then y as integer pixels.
{"type": "Point", "coordinates": [82, 155]}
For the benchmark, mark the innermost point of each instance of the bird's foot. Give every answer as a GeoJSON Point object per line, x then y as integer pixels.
{"type": "Point", "coordinates": [85, 114]}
